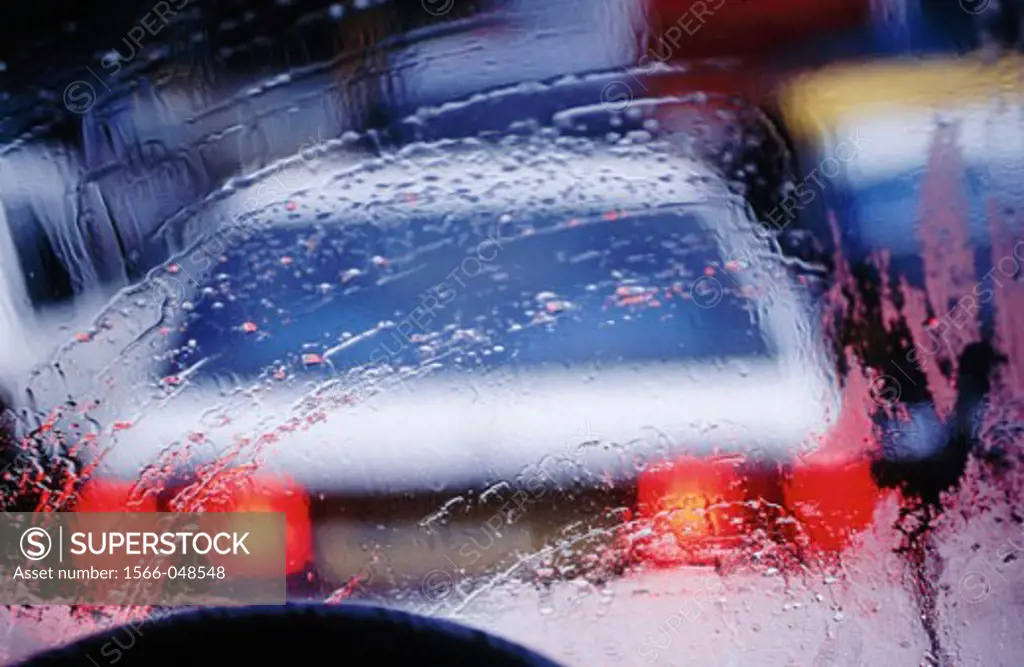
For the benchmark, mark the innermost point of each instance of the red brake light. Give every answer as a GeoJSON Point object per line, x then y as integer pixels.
{"type": "Point", "coordinates": [698, 499]}
{"type": "Point", "coordinates": [833, 500]}
{"type": "Point", "coordinates": [111, 495]}
{"type": "Point", "coordinates": [106, 495]}
{"type": "Point", "coordinates": [235, 493]}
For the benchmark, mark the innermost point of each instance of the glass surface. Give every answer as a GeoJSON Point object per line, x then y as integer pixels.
{"type": "Point", "coordinates": [488, 299]}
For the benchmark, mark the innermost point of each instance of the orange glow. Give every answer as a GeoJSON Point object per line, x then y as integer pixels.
{"type": "Point", "coordinates": [834, 500]}
{"type": "Point", "coordinates": [268, 494]}
{"type": "Point", "coordinates": [697, 497]}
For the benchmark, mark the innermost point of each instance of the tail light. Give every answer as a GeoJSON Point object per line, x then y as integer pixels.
{"type": "Point", "coordinates": [832, 499]}
{"type": "Point", "coordinates": [237, 493]}
{"type": "Point", "coordinates": [113, 496]}
{"type": "Point", "coordinates": [708, 506]}
{"type": "Point", "coordinates": [700, 502]}
{"type": "Point", "coordinates": [831, 491]}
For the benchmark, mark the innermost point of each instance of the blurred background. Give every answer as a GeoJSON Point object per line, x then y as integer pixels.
{"type": "Point", "coordinates": [694, 322]}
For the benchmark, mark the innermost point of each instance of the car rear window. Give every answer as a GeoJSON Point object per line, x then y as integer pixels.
{"type": "Point", "coordinates": [617, 288]}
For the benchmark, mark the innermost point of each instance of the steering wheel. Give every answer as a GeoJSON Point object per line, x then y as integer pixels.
{"type": "Point", "coordinates": [302, 634]}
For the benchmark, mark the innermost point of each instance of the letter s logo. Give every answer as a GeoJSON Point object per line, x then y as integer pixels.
{"type": "Point", "coordinates": [36, 544]}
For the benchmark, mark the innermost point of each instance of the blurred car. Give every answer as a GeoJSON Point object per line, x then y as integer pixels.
{"type": "Point", "coordinates": [393, 399]}
{"type": "Point", "coordinates": [900, 159]}
{"type": "Point", "coordinates": [323, 332]}
{"type": "Point", "coordinates": [403, 338]}
{"type": "Point", "coordinates": [719, 28]}
{"type": "Point", "coordinates": [878, 185]}
{"type": "Point", "coordinates": [890, 130]}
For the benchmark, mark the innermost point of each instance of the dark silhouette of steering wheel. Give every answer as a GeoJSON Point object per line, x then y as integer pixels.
{"type": "Point", "coordinates": [348, 634]}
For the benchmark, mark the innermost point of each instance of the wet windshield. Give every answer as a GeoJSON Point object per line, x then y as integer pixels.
{"type": "Point", "coordinates": [634, 332]}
